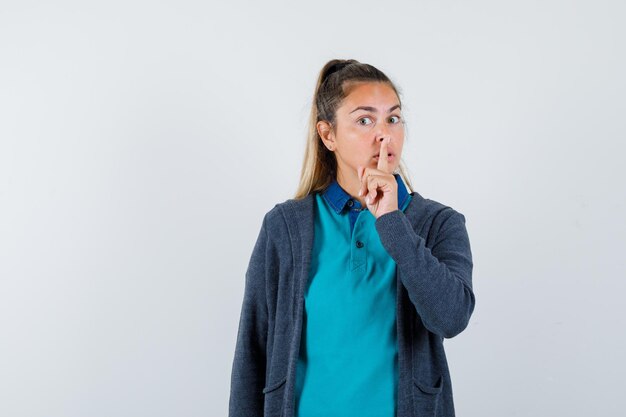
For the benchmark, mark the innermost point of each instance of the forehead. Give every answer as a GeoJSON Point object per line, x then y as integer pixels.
{"type": "Point", "coordinates": [370, 94]}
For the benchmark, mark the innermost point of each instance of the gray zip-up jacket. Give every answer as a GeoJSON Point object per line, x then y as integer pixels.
{"type": "Point", "coordinates": [431, 248]}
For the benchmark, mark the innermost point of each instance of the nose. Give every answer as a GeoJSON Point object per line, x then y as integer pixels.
{"type": "Point", "coordinates": [383, 132]}
{"type": "Point", "coordinates": [382, 136]}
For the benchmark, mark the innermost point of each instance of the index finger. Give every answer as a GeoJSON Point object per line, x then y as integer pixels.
{"type": "Point", "coordinates": [383, 162]}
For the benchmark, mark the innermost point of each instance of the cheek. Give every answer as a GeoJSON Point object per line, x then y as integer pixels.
{"type": "Point", "coordinates": [400, 145]}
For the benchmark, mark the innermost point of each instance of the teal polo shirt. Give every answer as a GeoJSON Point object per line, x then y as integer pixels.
{"type": "Point", "coordinates": [347, 365]}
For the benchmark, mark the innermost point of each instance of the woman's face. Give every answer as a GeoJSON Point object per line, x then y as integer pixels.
{"type": "Point", "coordinates": [370, 112]}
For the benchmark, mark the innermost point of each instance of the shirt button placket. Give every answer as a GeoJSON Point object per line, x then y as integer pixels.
{"type": "Point", "coordinates": [357, 253]}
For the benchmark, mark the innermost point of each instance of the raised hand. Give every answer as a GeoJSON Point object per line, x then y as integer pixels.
{"type": "Point", "coordinates": [379, 185]}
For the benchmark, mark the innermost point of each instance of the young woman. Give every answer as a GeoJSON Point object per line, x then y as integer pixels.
{"type": "Point", "coordinates": [354, 283]}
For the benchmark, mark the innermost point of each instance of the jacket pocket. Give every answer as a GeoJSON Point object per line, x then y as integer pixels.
{"type": "Point", "coordinates": [274, 398]}
{"type": "Point", "coordinates": [426, 396]}
{"type": "Point", "coordinates": [274, 386]}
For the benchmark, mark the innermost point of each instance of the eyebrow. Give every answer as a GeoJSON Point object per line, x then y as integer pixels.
{"type": "Point", "coordinates": [372, 109]}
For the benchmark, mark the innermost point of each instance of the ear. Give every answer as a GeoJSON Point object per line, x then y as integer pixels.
{"type": "Point", "coordinates": [324, 129]}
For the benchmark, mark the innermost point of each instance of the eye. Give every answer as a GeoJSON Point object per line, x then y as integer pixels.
{"type": "Point", "coordinates": [367, 119]}
{"type": "Point", "coordinates": [396, 118]}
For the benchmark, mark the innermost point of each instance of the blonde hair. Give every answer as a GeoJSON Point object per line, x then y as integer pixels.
{"type": "Point", "coordinates": [319, 167]}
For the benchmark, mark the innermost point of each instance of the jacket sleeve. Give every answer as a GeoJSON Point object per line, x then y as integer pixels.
{"type": "Point", "coordinates": [248, 369]}
{"type": "Point", "coordinates": [438, 279]}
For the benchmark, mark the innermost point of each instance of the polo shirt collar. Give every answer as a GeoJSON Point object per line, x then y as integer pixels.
{"type": "Point", "coordinates": [338, 198]}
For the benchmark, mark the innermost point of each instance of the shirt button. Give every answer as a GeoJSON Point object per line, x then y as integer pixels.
{"type": "Point", "coordinates": [350, 203]}
{"type": "Point", "coordinates": [359, 244]}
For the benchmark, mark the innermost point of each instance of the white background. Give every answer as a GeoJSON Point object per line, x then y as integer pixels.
{"type": "Point", "coordinates": [141, 143]}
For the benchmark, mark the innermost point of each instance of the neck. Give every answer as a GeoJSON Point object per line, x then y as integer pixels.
{"type": "Point", "coordinates": [351, 184]}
